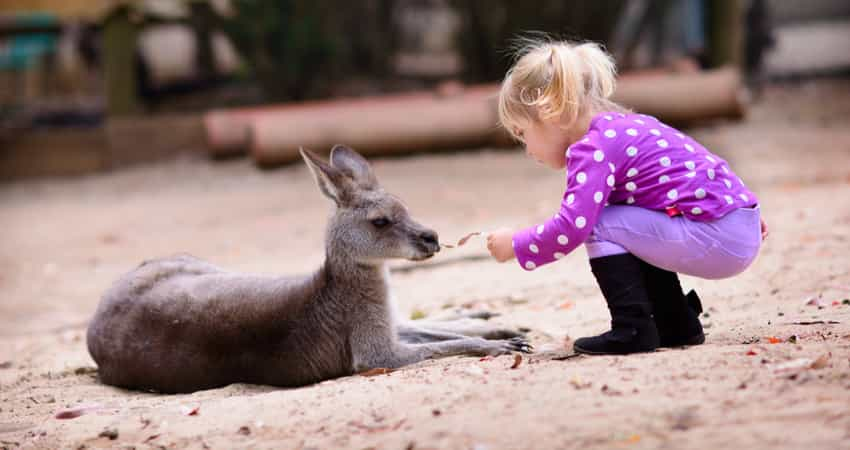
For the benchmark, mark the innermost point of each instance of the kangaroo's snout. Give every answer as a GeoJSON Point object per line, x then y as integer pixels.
{"type": "Point", "coordinates": [426, 242]}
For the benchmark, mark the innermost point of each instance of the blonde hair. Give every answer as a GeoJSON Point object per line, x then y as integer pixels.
{"type": "Point", "coordinates": [556, 79]}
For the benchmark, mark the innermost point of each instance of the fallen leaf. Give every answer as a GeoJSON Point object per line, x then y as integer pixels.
{"type": "Point", "coordinates": [377, 371]}
{"type": "Point", "coordinates": [5, 364]}
{"type": "Point", "coordinates": [846, 301]}
{"type": "Point", "coordinates": [814, 301]}
{"type": "Point", "coordinates": [517, 361]}
{"type": "Point", "coordinates": [244, 430]}
{"type": "Point", "coordinates": [792, 339]}
{"type": "Point", "coordinates": [835, 303]}
{"type": "Point", "coordinates": [151, 437]}
{"type": "Point", "coordinates": [821, 362]}
{"type": "Point", "coordinates": [462, 241]}
{"type": "Point", "coordinates": [417, 314]}
{"type": "Point", "coordinates": [751, 353]}
{"type": "Point", "coordinates": [577, 383]}
{"type": "Point", "coordinates": [566, 305]}
{"type": "Point", "coordinates": [73, 413]}
{"type": "Point", "coordinates": [773, 340]}
{"type": "Point", "coordinates": [188, 411]}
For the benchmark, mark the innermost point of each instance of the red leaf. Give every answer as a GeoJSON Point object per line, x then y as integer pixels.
{"type": "Point", "coordinates": [773, 340]}
{"type": "Point", "coordinates": [517, 361]}
{"type": "Point", "coordinates": [751, 353]}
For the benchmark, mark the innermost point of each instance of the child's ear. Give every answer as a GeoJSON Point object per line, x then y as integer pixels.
{"type": "Point", "coordinates": [331, 181]}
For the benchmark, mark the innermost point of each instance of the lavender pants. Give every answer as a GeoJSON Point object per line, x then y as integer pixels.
{"type": "Point", "coordinates": [718, 249]}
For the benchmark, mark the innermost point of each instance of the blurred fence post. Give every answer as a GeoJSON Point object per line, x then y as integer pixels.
{"type": "Point", "coordinates": [726, 32]}
{"type": "Point", "coordinates": [119, 50]}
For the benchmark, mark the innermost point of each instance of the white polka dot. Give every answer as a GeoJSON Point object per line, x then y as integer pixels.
{"type": "Point", "coordinates": [533, 248]}
{"type": "Point", "coordinates": [725, 170]}
{"type": "Point", "coordinates": [662, 143]}
{"type": "Point", "coordinates": [664, 161]}
{"type": "Point", "coordinates": [598, 156]}
{"type": "Point", "coordinates": [672, 194]}
{"type": "Point", "coordinates": [567, 153]}
{"type": "Point", "coordinates": [632, 172]}
{"type": "Point", "coordinates": [631, 151]}
{"type": "Point", "coordinates": [680, 135]}
{"type": "Point", "coordinates": [610, 134]}
{"type": "Point", "coordinates": [586, 140]}
{"type": "Point", "coordinates": [663, 179]}
{"type": "Point", "coordinates": [655, 132]}
{"type": "Point", "coordinates": [563, 240]}
{"type": "Point", "coordinates": [610, 180]}
{"type": "Point", "coordinates": [727, 183]}
{"type": "Point", "coordinates": [640, 122]}
{"type": "Point", "coordinates": [691, 174]}
{"type": "Point", "coordinates": [690, 165]}
{"type": "Point", "coordinates": [729, 199]}
{"type": "Point", "coordinates": [742, 182]}
{"type": "Point", "coordinates": [696, 210]}
{"type": "Point", "coordinates": [621, 114]}
{"type": "Point", "coordinates": [710, 158]}
{"type": "Point", "coordinates": [530, 265]}
{"type": "Point", "coordinates": [632, 132]}
{"type": "Point", "coordinates": [581, 221]}
{"type": "Point", "coordinates": [611, 166]}
{"type": "Point", "coordinates": [540, 229]}
{"type": "Point", "coordinates": [630, 200]}
{"type": "Point", "coordinates": [609, 117]}
{"type": "Point", "coordinates": [699, 193]}
{"type": "Point", "coordinates": [571, 198]}
{"type": "Point", "coordinates": [631, 186]}
{"type": "Point", "coordinates": [744, 197]}
{"type": "Point", "coordinates": [559, 255]}
{"type": "Point", "coordinates": [710, 174]}
{"type": "Point", "coordinates": [597, 197]}
{"type": "Point", "coordinates": [689, 148]}
{"type": "Point", "coordinates": [581, 177]}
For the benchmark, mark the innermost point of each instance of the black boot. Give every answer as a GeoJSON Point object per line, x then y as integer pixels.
{"type": "Point", "coordinates": [632, 328]}
{"type": "Point", "coordinates": [676, 314]}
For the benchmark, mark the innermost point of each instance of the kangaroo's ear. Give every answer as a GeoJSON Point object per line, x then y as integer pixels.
{"type": "Point", "coordinates": [330, 180]}
{"type": "Point", "coordinates": [354, 166]}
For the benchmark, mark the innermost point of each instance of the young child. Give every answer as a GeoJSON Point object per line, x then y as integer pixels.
{"type": "Point", "coordinates": [646, 200]}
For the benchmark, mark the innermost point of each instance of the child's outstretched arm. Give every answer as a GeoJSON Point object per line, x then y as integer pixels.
{"type": "Point", "coordinates": [589, 182]}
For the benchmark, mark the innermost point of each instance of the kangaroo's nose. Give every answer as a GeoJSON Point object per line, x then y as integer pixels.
{"type": "Point", "coordinates": [430, 237]}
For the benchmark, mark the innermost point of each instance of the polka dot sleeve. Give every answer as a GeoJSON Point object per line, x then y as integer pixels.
{"type": "Point", "coordinates": [590, 179]}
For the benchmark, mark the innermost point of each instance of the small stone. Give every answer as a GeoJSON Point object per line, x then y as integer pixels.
{"type": "Point", "coordinates": [244, 430]}
{"type": "Point", "coordinates": [110, 433]}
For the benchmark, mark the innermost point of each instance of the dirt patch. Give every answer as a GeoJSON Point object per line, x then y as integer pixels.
{"type": "Point", "coordinates": [774, 372]}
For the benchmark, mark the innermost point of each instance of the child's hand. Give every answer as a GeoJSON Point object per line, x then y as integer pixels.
{"type": "Point", "coordinates": [499, 244]}
{"type": "Point", "coordinates": [764, 231]}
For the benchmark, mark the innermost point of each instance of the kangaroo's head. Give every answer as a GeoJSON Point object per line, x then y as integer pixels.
{"type": "Point", "coordinates": [369, 225]}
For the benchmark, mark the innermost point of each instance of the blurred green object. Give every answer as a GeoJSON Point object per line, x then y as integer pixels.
{"type": "Point", "coordinates": [298, 48]}
{"type": "Point", "coordinates": [24, 49]}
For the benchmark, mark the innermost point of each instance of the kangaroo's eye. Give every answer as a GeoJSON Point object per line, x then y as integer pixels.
{"type": "Point", "coordinates": [380, 222]}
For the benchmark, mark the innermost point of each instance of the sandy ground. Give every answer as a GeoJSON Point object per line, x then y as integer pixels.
{"type": "Point", "coordinates": [64, 241]}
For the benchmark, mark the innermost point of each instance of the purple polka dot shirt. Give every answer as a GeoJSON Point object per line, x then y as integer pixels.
{"type": "Point", "coordinates": [631, 159]}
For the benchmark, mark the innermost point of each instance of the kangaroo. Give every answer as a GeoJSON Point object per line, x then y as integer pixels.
{"type": "Point", "coordinates": [180, 324]}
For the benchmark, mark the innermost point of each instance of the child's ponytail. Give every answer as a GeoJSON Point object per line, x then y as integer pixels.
{"type": "Point", "coordinates": [557, 80]}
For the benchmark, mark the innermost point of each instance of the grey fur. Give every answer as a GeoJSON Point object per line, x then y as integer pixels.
{"type": "Point", "coordinates": [180, 324]}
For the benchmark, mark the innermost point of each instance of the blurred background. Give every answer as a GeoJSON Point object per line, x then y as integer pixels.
{"type": "Point", "coordinates": [95, 85]}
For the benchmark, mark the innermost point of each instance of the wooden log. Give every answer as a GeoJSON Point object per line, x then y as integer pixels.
{"type": "Point", "coordinates": [685, 98]}
{"type": "Point", "coordinates": [426, 121]}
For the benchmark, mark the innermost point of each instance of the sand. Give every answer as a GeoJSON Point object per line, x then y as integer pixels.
{"type": "Point", "coordinates": [774, 372]}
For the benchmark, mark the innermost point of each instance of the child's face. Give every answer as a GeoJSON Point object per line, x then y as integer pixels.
{"type": "Point", "coordinates": [546, 142]}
